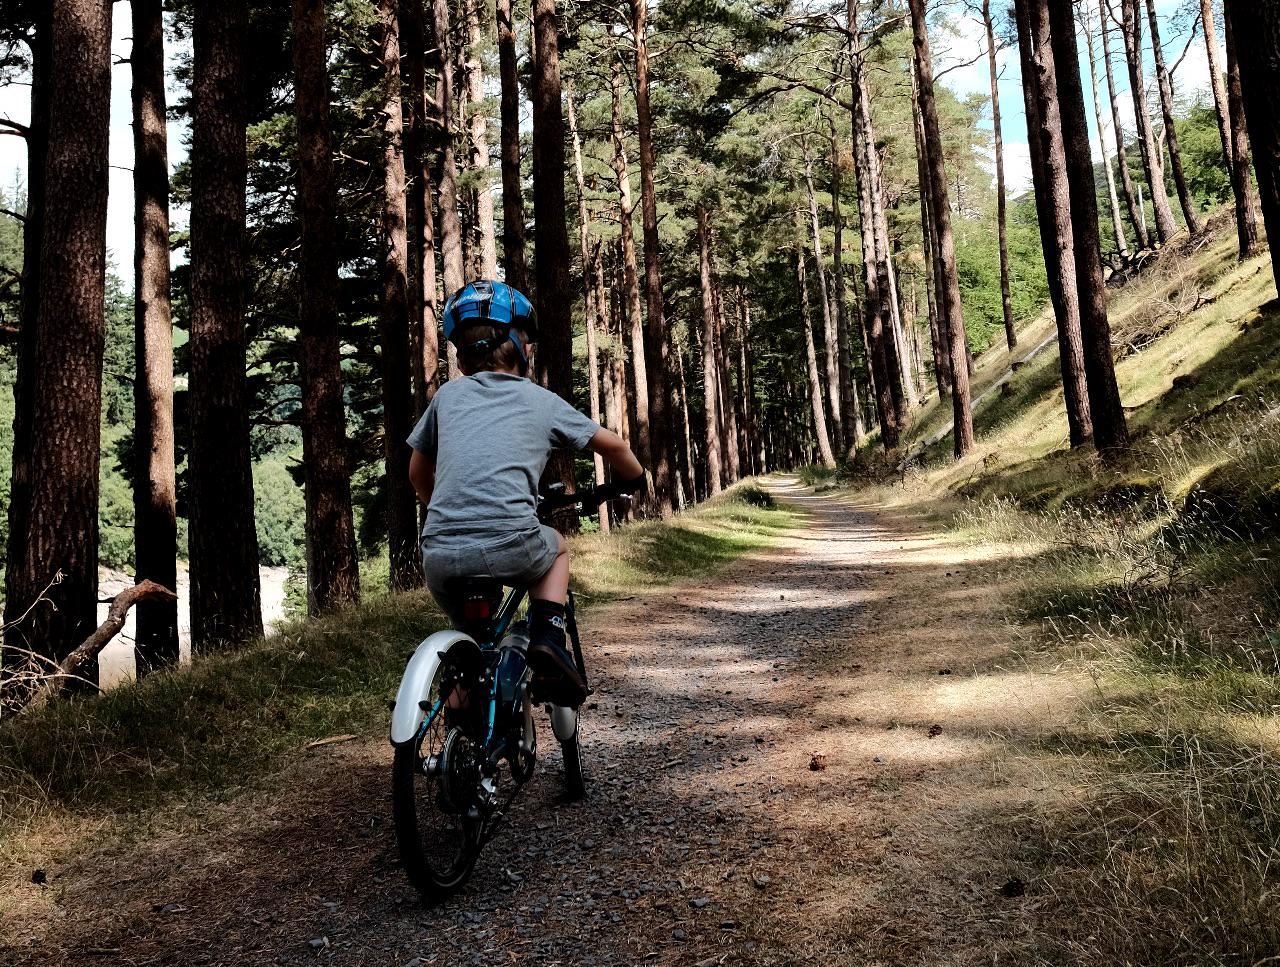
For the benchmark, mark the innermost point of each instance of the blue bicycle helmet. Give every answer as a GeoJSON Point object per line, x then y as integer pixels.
{"type": "Point", "coordinates": [487, 302]}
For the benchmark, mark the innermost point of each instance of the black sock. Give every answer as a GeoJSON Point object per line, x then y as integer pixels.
{"type": "Point", "coordinates": [546, 622]}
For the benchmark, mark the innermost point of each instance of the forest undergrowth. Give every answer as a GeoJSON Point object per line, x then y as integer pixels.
{"type": "Point", "coordinates": [206, 731]}
{"type": "Point", "coordinates": [1157, 577]}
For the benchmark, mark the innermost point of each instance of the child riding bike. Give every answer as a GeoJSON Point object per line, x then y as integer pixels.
{"type": "Point", "coordinates": [479, 451]}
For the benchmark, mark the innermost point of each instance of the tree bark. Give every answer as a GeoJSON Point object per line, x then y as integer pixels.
{"type": "Point", "coordinates": [1053, 205]}
{"type": "Point", "coordinates": [728, 413]}
{"type": "Point", "coordinates": [424, 324]}
{"type": "Point", "coordinates": [851, 431]}
{"type": "Point", "coordinates": [12, 660]}
{"type": "Point", "coordinates": [830, 339]}
{"type": "Point", "coordinates": [1117, 222]}
{"type": "Point", "coordinates": [61, 525]}
{"type": "Point", "coordinates": [630, 270]}
{"type": "Point", "coordinates": [454, 263]}
{"type": "Point", "coordinates": [1132, 197]}
{"type": "Point", "coordinates": [513, 257]}
{"type": "Point", "coordinates": [1165, 85]}
{"type": "Point", "coordinates": [1006, 300]}
{"type": "Point", "coordinates": [478, 139]}
{"type": "Point", "coordinates": [155, 526]}
{"type": "Point", "coordinates": [655, 343]}
{"type": "Point", "coordinates": [811, 360]}
{"type": "Point", "coordinates": [225, 592]}
{"type": "Point", "coordinates": [877, 325]}
{"type": "Point", "coordinates": [1110, 431]}
{"type": "Point", "coordinates": [941, 352]}
{"type": "Point", "coordinates": [1258, 63]}
{"type": "Point", "coordinates": [952, 314]}
{"type": "Point", "coordinates": [333, 575]}
{"type": "Point", "coordinates": [393, 318]}
{"type": "Point", "coordinates": [1241, 175]}
{"type": "Point", "coordinates": [551, 255]}
{"type": "Point", "coordinates": [1152, 162]}
{"type": "Point", "coordinates": [590, 254]}
{"type": "Point", "coordinates": [690, 460]}
{"type": "Point", "coordinates": [710, 358]}
{"type": "Point", "coordinates": [1216, 75]}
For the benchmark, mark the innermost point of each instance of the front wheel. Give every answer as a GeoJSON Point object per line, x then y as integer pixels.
{"type": "Point", "coordinates": [574, 786]}
{"type": "Point", "coordinates": [434, 778]}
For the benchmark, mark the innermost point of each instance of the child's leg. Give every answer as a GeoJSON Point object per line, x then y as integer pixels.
{"type": "Point", "coordinates": [560, 682]}
{"type": "Point", "coordinates": [554, 585]}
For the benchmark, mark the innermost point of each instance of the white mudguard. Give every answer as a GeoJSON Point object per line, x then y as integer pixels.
{"type": "Point", "coordinates": [564, 722]}
{"type": "Point", "coordinates": [415, 686]}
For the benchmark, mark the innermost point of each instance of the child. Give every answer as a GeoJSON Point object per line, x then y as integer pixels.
{"type": "Point", "coordinates": [479, 451]}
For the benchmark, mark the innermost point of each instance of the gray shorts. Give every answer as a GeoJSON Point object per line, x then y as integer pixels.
{"type": "Point", "coordinates": [516, 560]}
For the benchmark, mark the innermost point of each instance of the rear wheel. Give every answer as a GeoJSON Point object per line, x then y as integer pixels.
{"type": "Point", "coordinates": [435, 782]}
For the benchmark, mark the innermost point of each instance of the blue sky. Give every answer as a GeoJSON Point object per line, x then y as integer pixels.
{"type": "Point", "coordinates": [1193, 75]}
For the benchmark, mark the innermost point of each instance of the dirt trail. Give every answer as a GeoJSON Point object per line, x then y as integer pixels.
{"type": "Point", "coordinates": [706, 838]}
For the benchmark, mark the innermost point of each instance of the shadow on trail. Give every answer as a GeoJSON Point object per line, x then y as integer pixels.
{"type": "Point", "coordinates": [705, 835]}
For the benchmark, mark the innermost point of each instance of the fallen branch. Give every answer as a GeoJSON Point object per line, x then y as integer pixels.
{"type": "Point", "coordinates": [120, 605]}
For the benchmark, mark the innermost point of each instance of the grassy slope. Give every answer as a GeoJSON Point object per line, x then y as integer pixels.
{"type": "Point", "coordinates": [206, 729]}
{"type": "Point", "coordinates": [1155, 574]}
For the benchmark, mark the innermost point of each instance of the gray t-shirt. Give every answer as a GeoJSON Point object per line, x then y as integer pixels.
{"type": "Point", "coordinates": [490, 435]}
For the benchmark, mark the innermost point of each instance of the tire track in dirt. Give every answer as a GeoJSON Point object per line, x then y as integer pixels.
{"type": "Point", "coordinates": [705, 839]}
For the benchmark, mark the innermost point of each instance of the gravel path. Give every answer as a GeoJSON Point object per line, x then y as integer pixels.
{"type": "Point", "coordinates": [791, 761]}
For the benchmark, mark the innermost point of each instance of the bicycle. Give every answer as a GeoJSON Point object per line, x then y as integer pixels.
{"type": "Point", "coordinates": [462, 711]}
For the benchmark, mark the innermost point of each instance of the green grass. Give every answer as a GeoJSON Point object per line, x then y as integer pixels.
{"type": "Point", "coordinates": [207, 729]}
{"type": "Point", "coordinates": [1156, 576]}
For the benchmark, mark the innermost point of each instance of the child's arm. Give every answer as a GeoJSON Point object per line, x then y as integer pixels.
{"type": "Point", "coordinates": [617, 454]}
{"type": "Point", "coordinates": [422, 474]}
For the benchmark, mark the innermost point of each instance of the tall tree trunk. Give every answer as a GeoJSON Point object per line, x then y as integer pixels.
{"type": "Point", "coordinates": [710, 358]}
{"type": "Point", "coordinates": [333, 575]}
{"type": "Point", "coordinates": [1117, 222]}
{"type": "Point", "coordinates": [155, 526]}
{"type": "Point", "coordinates": [630, 271]}
{"type": "Point", "coordinates": [655, 342]}
{"type": "Point", "coordinates": [728, 413]}
{"type": "Point", "coordinates": [513, 258]}
{"type": "Point", "coordinates": [225, 591]}
{"type": "Point", "coordinates": [393, 318]}
{"type": "Point", "coordinates": [1053, 205]}
{"type": "Point", "coordinates": [851, 429]}
{"type": "Point", "coordinates": [1165, 85]}
{"type": "Point", "coordinates": [37, 138]}
{"type": "Point", "coordinates": [424, 343]}
{"type": "Point", "coordinates": [1152, 161]}
{"type": "Point", "coordinates": [1006, 300]}
{"type": "Point", "coordinates": [454, 263]}
{"type": "Point", "coordinates": [941, 352]}
{"type": "Point", "coordinates": [590, 254]}
{"type": "Point", "coordinates": [1241, 176]}
{"type": "Point", "coordinates": [1132, 196]}
{"type": "Point", "coordinates": [1216, 75]}
{"type": "Point", "coordinates": [952, 314]}
{"type": "Point", "coordinates": [830, 339]}
{"type": "Point", "coordinates": [1258, 64]}
{"type": "Point", "coordinates": [877, 324]}
{"type": "Point", "coordinates": [551, 256]}
{"type": "Point", "coordinates": [691, 482]}
{"type": "Point", "coordinates": [811, 360]}
{"type": "Point", "coordinates": [478, 142]}
{"type": "Point", "coordinates": [61, 534]}
{"type": "Point", "coordinates": [1110, 431]}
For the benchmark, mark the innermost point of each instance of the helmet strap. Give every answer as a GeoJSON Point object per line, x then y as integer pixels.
{"type": "Point", "coordinates": [524, 358]}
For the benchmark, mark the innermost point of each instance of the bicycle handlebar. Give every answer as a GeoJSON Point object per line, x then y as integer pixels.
{"type": "Point", "coordinates": [588, 498]}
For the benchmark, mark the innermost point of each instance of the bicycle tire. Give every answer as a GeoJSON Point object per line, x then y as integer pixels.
{"type": "Point", "coordinates": [424, 829]}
